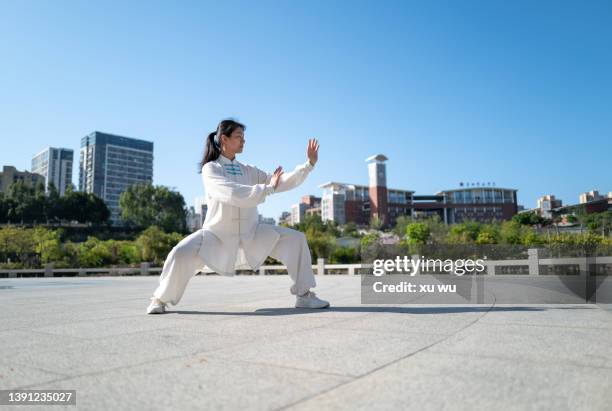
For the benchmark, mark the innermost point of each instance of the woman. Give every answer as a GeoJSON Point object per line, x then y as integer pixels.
{"type": "Point", "coordinates": [231, 236]}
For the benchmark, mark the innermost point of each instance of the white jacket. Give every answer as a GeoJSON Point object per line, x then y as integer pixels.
{"type": "Point", "coordinates": [233, 237]}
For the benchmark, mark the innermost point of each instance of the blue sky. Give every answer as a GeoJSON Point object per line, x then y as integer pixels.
{"type": "Point", "coordinates": [519, 93]}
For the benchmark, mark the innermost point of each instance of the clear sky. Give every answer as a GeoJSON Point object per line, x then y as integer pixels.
{"type": "Point", "coordinates": [519, 92]}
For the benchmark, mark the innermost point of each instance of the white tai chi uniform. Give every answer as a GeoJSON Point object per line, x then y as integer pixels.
{"type": "Point", "coordinates": [232, 237]}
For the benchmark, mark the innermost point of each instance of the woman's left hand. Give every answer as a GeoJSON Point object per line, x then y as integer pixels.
{"type": "Point", "coordinates": [313, 151]}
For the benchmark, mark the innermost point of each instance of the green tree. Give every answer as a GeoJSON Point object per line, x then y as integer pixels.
{"type": "Point", "coordinates": [47, 244]}
{"type": "Point", "coordinates": [321, 244]}
{"type": "Point", "coordinates": [401, 223]}
{"type": "Point", "coordinates": [531, 238]}
{"type": "Point", "coordinates": [350, 230]}
{"type": "Point", "coordinates": [529, 218]}
{"type": "Point", "coordinates": [438, 231]}
{"type": "Point", "coordinates": [510, 232]}
{"type": "Point", "coordinates": [343, 255]}
{"type": "Point", "coordinates": [485, 237]}
{"type": "Point", "coordinates": [5, 206]}
{"type": "Point", "coordinates": [28, 203]}
{"type": "Point", "coordinates": [155, 244]}
{"type": "Point", "coordinates": [464, 233]}
{"type": "Point", "coordinates": [94, 253]}
{"type": "Point", "coordinates": [17, 243]}
{"type": "Point", "coordinates": [83, 207]}
{"type": "Point", "coordinates": [53, 211]}
{"type": "Point", "coordinates": [418, 233]}
{"type": "Point", "coordinates": [145, 205]}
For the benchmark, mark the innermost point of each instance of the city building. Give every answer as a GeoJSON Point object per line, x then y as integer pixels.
{"type": "Point", "coordinates": [313, 211]}
{"type": "Point", "coordinates": [342, 202]}
{"type": "Point", "coordinates": [297, 213]}
{"type": "Point", "coordinates": [109, 164]}
{"type": "Point", "coordinates": [482, 203]}
{"type": "Point", "coordinates": [55, 165]}
{"type": "Point", "coordinates": [10, 175]}
{"type": "Point", "coordinates": [308, 205]}
{"type": "Point", "coordinates": [591, 202]}
{"type": "Point", "coordinates": [285, 218]}
{"type": "Point", "coordinates": [200, 210]}
{"type": "Point", "coordinates": [589, 196]}
{"type": "Point", "coordinates": [546, 204]}
{"type": "Point", "coordinates": [192, 219]}
{"type": "Point", "coordinates": [266, 220]}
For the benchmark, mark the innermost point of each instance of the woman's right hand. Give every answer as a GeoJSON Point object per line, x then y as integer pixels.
{"type": "Point", "coordinates": [276, 177]}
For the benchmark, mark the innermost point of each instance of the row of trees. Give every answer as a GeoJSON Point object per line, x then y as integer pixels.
{"type": "Point", "coordinates": [594, 222]}
{"type": "Point", "coordinates": [323, 237]}
{"type": "Point", "coordinates": [22, 247]}
{"type": "Point", "coordinates": [33, 247]}
{"type": "Point", "coordinates": [433, 231]}
{"type": "Point", "coordinates": [142, 206]}
{"type": "Point", "coordinates": [23, 204]}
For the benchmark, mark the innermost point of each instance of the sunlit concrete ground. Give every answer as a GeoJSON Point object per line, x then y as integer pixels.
{"type": "Point", "coordinates": [238, 343]}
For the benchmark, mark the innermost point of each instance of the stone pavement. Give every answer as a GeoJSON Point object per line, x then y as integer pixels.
{"type": "Point", "coordinates": [237, 343]}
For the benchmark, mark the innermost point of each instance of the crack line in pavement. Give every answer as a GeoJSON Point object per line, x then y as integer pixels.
{"type": "Point", "coordinates": [389, 363]}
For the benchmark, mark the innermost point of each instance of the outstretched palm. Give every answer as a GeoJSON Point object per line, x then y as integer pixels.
{"type": "Point", "coordinates": [313, 150]}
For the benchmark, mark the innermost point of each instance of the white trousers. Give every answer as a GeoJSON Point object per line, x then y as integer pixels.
{"type": "Point", "coordinates": [184, 261]}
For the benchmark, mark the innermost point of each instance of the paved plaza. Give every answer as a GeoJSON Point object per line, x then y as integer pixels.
{"type": "Point", "coordinates": [238, 343]}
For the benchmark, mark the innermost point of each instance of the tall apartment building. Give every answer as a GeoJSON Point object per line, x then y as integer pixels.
{"type": "Point", "coordinates": [109, 164]}
{"type": "Point", "coordinates": [10, 175]}
{"type": "Point", "coordinates": [55, 165]}
{"type": "Point", "coordinates": [342, 202]}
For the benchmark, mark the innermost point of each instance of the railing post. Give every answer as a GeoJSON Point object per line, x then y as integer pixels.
{"type": "Point", "coordinates": [533, 261]}
{"type": "Point", "coordinates": [490, 267]}
{"type": "Point", "coordinates": [320, 266]}
{"type": "Point", "coordinates": [351, 270]}
{"type": "Point", "coordinates": [144, 268]}
{"type": "Point", "coordinates": [583, 266]}
{"type": "Point", "coordinates": [82, 272]}
{"type": "Point", "coordinates": [49, 270]}
{"type": "Point", "coordinates": [262, 270]}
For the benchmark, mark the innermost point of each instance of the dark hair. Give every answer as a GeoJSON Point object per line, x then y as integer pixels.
{"type": "Point", "coordinates": [213, 149]}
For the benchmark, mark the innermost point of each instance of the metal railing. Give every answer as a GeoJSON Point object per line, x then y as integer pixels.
{"type": "Point", "coordinates": [532, 266]}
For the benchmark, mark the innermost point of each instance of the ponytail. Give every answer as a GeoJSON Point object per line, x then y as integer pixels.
{"type": "Point", "coordinates": [213, 141]}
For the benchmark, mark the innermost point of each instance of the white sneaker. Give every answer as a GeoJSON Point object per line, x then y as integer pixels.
{"type": "Point", "coordinates": [310, 300]}
{"type": "Point", "coordinates": [156, 307]}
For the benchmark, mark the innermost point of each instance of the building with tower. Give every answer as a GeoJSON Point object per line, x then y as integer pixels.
{"type": "Point", "coordinates": [343, 202]}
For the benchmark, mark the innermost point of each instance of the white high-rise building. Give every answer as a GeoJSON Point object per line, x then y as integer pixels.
{"type": "Point", "coordinates": [55, 165]}
{"type": "Point", "coordinates": [297, 213]}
